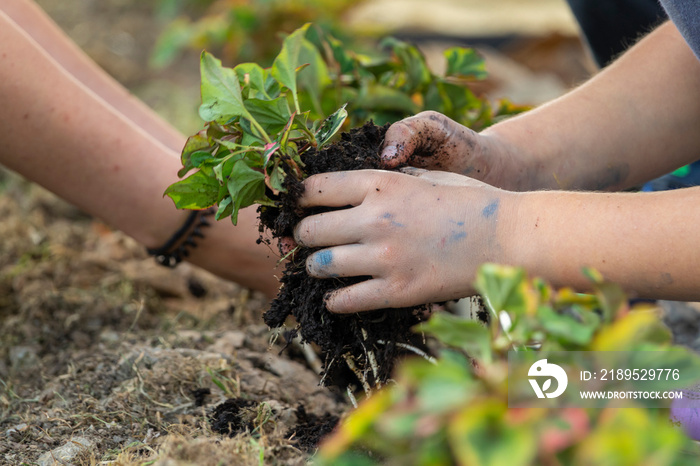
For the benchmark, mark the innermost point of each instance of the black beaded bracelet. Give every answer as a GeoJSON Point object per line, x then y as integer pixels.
{"type": "Point", "coordinates": [178, 246]}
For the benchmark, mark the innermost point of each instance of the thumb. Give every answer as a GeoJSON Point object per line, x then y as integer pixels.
{"type": "Point", "coordinates": [399, 143]}
{"type": "Point", "coordinates": [414, 140]}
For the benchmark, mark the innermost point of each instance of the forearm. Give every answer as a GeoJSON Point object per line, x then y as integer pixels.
{"type": "Point", "coordinates": [646, 242]}
{"type": "Point", "coordinates": [29, 17]}
{"type": "Point", "coordinates": [635, 120]}
{"type": "Point", "coordinates": [64, 137]}
{"type": "Point", "coordinates": [71, 142]}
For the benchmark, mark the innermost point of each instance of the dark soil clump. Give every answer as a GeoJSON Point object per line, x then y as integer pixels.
{"type": "Point", "coordinates": [360, 336]}
{"type": "Point", "coordinates": [311, 429]}
{"type": "Point", "coordinates": [232, 416]}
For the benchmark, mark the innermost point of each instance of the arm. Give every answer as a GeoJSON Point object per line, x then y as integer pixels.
{"type": "Point", "coordinates": [422, 238]}
{"type": "Point", "coordinates": [64, 137]}
{"type": "Point", "coordinates": [33, 21]}
{"type": "Point", "coordinates": [645, 242]}
{"type": "Point", "coordinates": [635, 120]}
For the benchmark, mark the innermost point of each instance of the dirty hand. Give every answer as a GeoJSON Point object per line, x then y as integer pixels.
{"type": "Point", "coordinates": [420, 238]}
{"type": "Point", "coordinates": [433, 141]}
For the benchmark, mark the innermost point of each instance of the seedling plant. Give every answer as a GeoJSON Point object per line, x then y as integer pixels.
{"type": "Point", "coordinates": [267, 129]}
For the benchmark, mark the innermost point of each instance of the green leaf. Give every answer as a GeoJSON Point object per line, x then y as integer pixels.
{"type": "Point", "coordinates": [314, 78]}
{"type": "Point", "coordinates": [440, 386]}
{"type": "Point", "coordinates": [272, 86]}
{"type": "Point", "coordinates": [378, 97]}
{"type": "Point", "coordinates": [566, 327]}
{"type": "Point", "coordinates": [451, 99]}
{"type": "Point", "coordinates": [197, 191]}
{"type": "Point", "coordinates": [246, 186]}
{"type": "Point", "coordinates": [251, 137]}
{"type": "Point", "coordinates": [273, 180]}
{"type": "Point", "coordinates": [223, 170]}
{"type": "Point", "coordinates": [480, 434]}
{"type": "Point", "coordinates": [272, 115]}
{"type": "Point", "coordinates": [612, 299]}
{"type": "Point", "coordinates": [252, 75]}
{"type": "Point", "coordinates": [628, 331]}
{"type": "Point", "coordinates": [634, 436]}
{"type": "Point", "coordinates": [464, 63]}
{"type": "Point", "coordinates": [201, 157]}
{"type": "Point", "coordinates": [225, 208]}
{"type": "Point", "coordinates": [471, 336]}
{"type": "Point", "coordinates": [412, 62]}
{"type": "Point", "coordinates": [345, 60]}
{"type": "Point", "coordinates": [194, 144]}
{"type": "Point", "coordinates": [330, 126]}
{"type": "Point", "coordinates": [221, 91]}
{"type": "Point", "coordinates": [215, 131]}
{"type": "Point", "coordinates": [270, 150]}
{"type": "Point", "coordinates": [277, 178]}
{"type": "Point", "coordinates": [505, 288]}
{"type": "Point", "coordinates": [284, 68]}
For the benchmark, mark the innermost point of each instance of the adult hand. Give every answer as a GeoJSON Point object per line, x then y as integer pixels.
{"type": "Point", "coordinates": [420, 238]}
{"type": "Point", "coordinates": [433, 141]}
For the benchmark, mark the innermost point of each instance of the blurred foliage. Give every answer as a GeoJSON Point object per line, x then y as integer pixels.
{"type": "Point", "coordinates": [241, 30]}
{"type": "Point", "coordinates": [456, 411]}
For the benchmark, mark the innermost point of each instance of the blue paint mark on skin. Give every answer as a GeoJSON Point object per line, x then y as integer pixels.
{"type": "Point", "coordinates": [393, 223]}
{"type": "Point", "coordinates": [459, 224]}
{"type": "Point", "coordinates": [320, 264]}
{"type": "Point", "coordinates": [456, 236]}
{"type": "Point", "coordinates": [490, 209]}
{"type": "Point", "coordinates": [324, 258]}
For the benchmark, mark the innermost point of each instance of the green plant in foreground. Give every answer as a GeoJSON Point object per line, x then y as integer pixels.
{"type": "Point", "coordinates": [261, 120]}
{"type": "Point", "coordinates": [456, 411]}
{"type": "Point", "coordinates": [252, 134]}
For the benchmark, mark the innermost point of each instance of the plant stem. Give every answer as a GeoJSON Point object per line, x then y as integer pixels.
{"type": "Point", "coordinates": [260, 130]}
{"type": "Point", "coordinates": [290, 253]}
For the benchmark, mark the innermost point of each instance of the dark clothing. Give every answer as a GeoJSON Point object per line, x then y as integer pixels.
{"type": "Point", "coordinates": [685, 14]}
{"type": "Point", "coordinates": [611, 26]}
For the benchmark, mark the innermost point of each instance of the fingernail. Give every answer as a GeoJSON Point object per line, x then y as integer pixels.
{"type": "Point", "coordinates": [326, 297]}
{"type": "Point", "coordinates": [389, 152]}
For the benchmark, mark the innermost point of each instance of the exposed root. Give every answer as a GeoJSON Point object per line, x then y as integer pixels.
{"type": "Point", "coordinates": [350, 361]}
{"type": "Point", "coordinates": [309, 354]}
{"type": "Point", "coordinates": [351, 396]}
{"type": "Point", "coordinates": [372, 361]}
{"type": "Point", "coordinates": [413, 349]}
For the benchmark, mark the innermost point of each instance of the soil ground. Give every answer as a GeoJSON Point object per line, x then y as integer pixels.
{"type": "Point", "coordinates": [102, 346]}
{"type": "Point", "coordinates": [107, 358]}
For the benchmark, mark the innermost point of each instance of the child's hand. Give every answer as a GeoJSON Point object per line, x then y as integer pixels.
{"type": "Point", "coordinates": [433, 141]}
{"type": "Point", "coordinates": [420, 238]}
